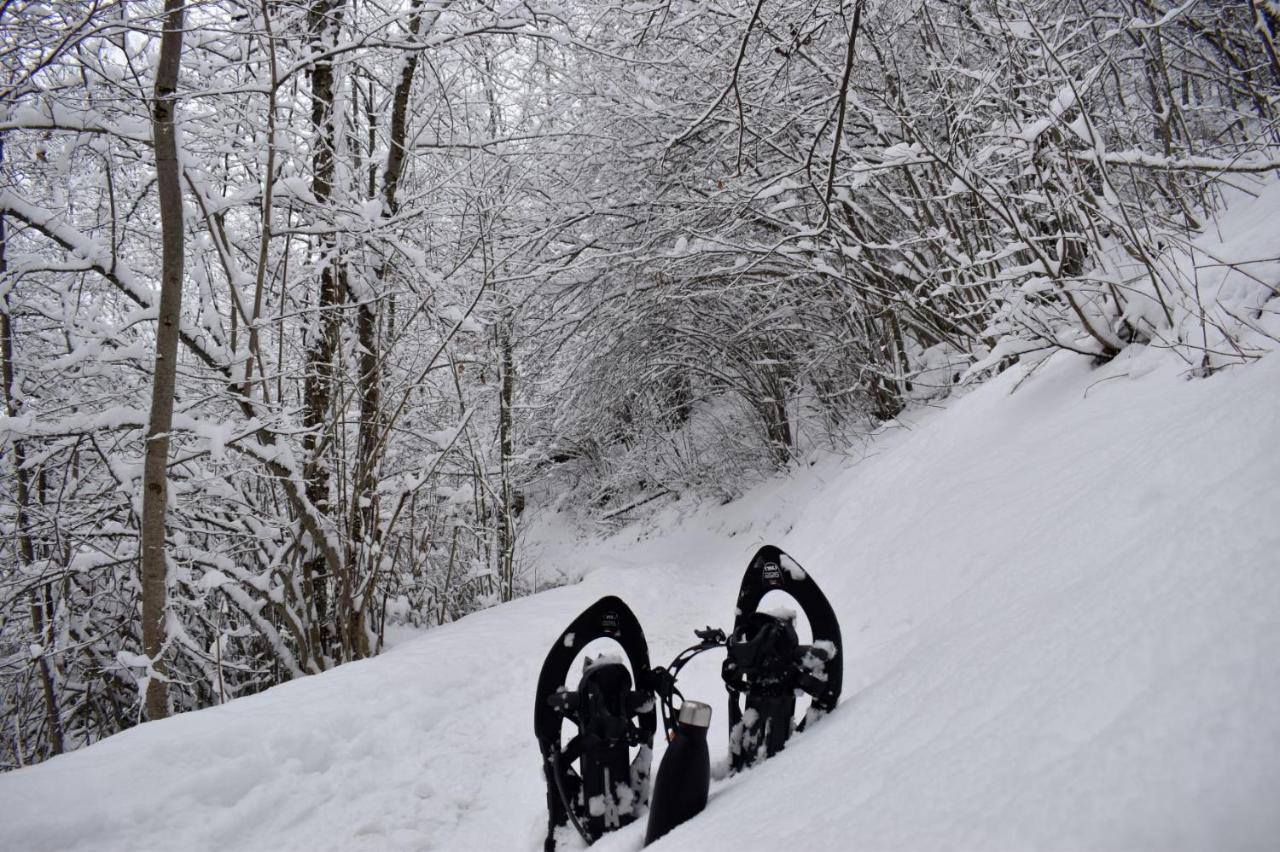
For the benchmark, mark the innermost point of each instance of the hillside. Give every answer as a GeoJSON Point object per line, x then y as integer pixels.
{"type": "Point", "coordinates": [1060, 598]}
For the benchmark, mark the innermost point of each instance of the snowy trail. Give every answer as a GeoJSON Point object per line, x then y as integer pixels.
{"type": "Point", "coordinates": [1061, 610]}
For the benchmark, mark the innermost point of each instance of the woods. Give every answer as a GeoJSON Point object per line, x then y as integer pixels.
{"type": "Point", "coordinates": [450, 262]}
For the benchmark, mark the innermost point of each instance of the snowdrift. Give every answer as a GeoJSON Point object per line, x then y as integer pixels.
{"type": "Point", "coordinates": [1060, 597]}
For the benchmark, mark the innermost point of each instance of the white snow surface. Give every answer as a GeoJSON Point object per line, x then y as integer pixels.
{"type": "Point", "coordinates": [1061, 614]}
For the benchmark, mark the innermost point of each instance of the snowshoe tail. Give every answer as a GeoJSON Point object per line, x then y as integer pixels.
{"type": "Point", "coordinates": [608, 789]}
{"type": "Point", "coordinates": [766, 664]}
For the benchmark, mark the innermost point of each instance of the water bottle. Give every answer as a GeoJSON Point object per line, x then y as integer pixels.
{"type": "Point", "coordinates": [680, 791]}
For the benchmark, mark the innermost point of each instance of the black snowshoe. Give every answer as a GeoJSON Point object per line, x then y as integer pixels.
{"type": "Point", "coordinates": [609, 789]}
{"type": "Point", "coordinates": [766, 666]}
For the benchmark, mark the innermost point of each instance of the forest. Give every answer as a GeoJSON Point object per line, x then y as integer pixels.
{"type": "Point", "coordinates": [309, 305]}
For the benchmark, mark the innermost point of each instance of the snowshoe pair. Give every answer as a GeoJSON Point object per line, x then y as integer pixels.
{"type": "Point", "coordinates": [593, 780]}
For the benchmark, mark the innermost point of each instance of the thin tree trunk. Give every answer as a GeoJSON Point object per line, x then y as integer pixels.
{"type": "Point", "coordinates": [264, 243]}
{"type": "Point", "coordinates": [155, 465]}
{"type": "Point", "coordinates": [323, 17]}
{"type": "Point", "coordinates": [40, 626]}
{"type": "Point", "coordinates": [366, 533]}
{"type": "Point", "coordinates": [1264, 22]}
{"type": "Point", "coordinates": [506, 447]}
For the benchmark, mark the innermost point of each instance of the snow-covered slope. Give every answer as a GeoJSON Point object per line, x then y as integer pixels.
{"type": "Point", "coordinates": [1061, 607]}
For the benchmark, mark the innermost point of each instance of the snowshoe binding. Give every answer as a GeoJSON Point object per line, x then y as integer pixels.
{"type": "Point", "coordinates": [766, 667]}
{"type": "Point", "coordinates": [609, 788]}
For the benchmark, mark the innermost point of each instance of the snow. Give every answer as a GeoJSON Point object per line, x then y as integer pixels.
{"type": "Point", "coordinates": [1255, 165]}
{"type": "Point", "coordinates": [212, 579]}
{"type": "Point", "coordinates": [901, 151]}
{"type": "Point", "coordinates": [460, 317]}
{"type": "Point", "coordinates": [1058, 595]}
{"type": "Point", "coordinates": [782, 613]}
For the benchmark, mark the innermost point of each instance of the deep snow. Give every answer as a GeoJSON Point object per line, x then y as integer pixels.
{"type": "Point", "coordinates": [1061, 610]}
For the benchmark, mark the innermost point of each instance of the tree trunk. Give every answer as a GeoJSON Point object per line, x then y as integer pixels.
{"type": "Point", "coordinates": [365, 544]}
{"type": "Point", "coordinates": [1265, 24]}
{"type": "Point", "coordinates": [322, 20]}
{"type": "Point", "coordinates": [506, 447]}
{"type": "Point", "coordinates": [40, 626]}
{"type": "Point", "coordinates": [155, 465]}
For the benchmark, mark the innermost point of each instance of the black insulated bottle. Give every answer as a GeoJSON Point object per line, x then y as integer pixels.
{"type": "Point", "coordinates": [680, 791]}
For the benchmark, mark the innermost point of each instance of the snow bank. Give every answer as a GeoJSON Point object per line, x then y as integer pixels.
{"type": "Point", "coordinates": [1061, 608]}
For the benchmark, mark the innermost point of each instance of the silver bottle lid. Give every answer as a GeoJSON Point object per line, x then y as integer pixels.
{"type": "Point", "coordinates": [695, 713]}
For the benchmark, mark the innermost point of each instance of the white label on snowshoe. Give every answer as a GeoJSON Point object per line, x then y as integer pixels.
{"type": "Point", "coordinates": [609, 623]}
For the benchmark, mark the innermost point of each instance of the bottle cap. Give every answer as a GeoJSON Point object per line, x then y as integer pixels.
{"type": "Point", "coordinates": [695, 713]}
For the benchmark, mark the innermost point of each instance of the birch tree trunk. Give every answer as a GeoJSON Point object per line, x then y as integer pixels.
{"type": "Point", "coordinates": [155, 474]}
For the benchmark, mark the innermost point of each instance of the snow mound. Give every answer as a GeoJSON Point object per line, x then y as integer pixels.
{"type": "Point", "coordinates": [1060, 598]}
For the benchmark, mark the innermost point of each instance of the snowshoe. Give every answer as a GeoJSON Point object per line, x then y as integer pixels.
{"type": "Point", "coordinates": [766, 666]}
{"type": "Point", "coordinates": [608, 789]}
